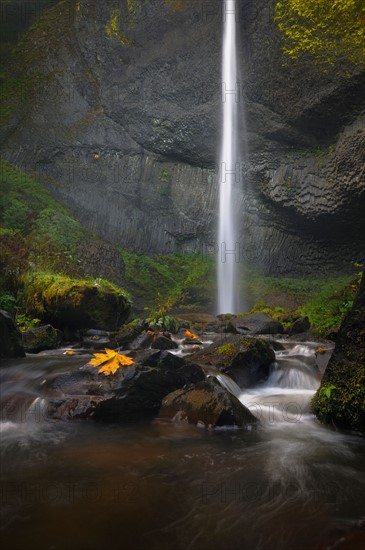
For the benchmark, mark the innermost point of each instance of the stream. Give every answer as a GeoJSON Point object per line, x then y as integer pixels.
{"type": "Point", "coordinates": [157, 485]}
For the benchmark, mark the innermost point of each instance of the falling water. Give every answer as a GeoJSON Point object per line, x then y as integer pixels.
{"type": "Point", "coordinates": [227, 269]}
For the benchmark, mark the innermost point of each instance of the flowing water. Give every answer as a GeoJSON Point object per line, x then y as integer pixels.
{"type": "Point", "coordinates": [228, 166]}
{"type": "Point", "coordinates": [157, 485]}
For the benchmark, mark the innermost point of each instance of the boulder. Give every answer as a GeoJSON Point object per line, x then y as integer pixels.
{"type": "Point", "coordinates": [208, 404]}
{"type": "Point", "coordinates": [127, 333]}
{"type": "Point", "coordinates": [41, 338]}
{"type": "Point", "coordinates": [163, 343]}
{"type": "Point", "coordinates": [257, 323]}
{"type": "Point", "coordinates": [143, 341]}
{"type": "Point", "coordinates": [300, 325]}
{"type": "Point", "coordinates": [10, 338]}
{"type": "Point", "coordinates": [130, 394]}
{"type": "Point", "coordinates": [74, 303]}
{"type": "Point", "coordinates": [246, 360]}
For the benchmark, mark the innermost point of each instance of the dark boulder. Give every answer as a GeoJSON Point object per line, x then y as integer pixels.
{"type": "Point", "coordinates": [41, 338]}
{"type": "Point", "coordinates": [163, 343]}
{"type": "Point", "coordinates": [300, 325]}
{"type": "Point", "coordinates": [10, 337]}
{"type": "Point", "coordinates": [257, 323]}
{"type": "Point", "coordinates": [127, 333]}
{"type": "Point", "coordinates": [130, 394]}
{"type": "Point", "coordinates": [246, 360]}
{"type": "Point", "coordinates": [143, 341]}
{"type": "Point", "coordinates": [340, 401]}
{"type": "Point", "coordinates": [208, 404]}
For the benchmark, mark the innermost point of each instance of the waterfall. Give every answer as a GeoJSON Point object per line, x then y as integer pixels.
{"type": "Point", "coordinates": [228, 166]}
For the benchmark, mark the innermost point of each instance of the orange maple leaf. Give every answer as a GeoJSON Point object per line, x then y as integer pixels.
{"type": "Point", "coordinates": [191, 335]}
{"type": "Point", "coordinates": [110, 361]}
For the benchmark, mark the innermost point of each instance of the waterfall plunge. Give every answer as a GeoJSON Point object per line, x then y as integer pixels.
{"type": "Point", "coordinates": [229, 171]}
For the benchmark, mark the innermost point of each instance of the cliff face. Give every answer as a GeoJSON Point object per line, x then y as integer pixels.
{"type": "Point", "coordinates": [125, 129]}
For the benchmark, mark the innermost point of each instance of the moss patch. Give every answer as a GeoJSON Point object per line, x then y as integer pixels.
{"type": "Point", "coordinates": [67, 302]}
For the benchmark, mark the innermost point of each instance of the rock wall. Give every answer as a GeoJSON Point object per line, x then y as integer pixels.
{"type": "Point", "coordinates": [125, 130]}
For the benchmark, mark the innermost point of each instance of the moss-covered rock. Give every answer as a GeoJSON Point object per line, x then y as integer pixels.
{"type": "Point", "coordinates": [41, 338]}
{"type": "Point", "coordinates": [75, 303]}
{"type": "Point", "coordinates": [246, 360]}
{"type": "Point", "coordinates": [340, 401]}
{"type": "Point", "coordinates": [208, 404]}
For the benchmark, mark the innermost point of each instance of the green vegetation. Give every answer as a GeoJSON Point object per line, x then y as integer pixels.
{"type": "Point", "coordinates": [324, 301]}
{"type": "Point", "coordinates": [228, 350]}
{"type": "Point", "coordinates": [22, 199]}
{"type": "Point", "coordinates": [75, 302]}
{"type": "Point", "coordinates": [342, 402]}
{"type": "Point", "coordinates": [165, 283]}
{"type": "Point", "coordinates": [330, 31]}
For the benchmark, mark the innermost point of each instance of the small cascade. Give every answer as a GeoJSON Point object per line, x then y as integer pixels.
{"type": "Point", "coordinates": [229, 384]}
{"type": "Point", "coordinates": [286, 395]}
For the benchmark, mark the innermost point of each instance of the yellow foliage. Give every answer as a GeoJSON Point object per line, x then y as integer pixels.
{"type": "Point", "coordinates": [110, 361]}
{"type": "Point", "coordinates": [191, 335]}
{"type": "Point", "coordinates": [331, 31]}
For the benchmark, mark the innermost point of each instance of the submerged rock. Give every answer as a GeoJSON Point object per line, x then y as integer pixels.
{"type": "Point", "coordinates": [208, 404]}
{"type": "Point", "coordinates": [41, 338]}
{"type": "Point", "coordinates": [10, 337]}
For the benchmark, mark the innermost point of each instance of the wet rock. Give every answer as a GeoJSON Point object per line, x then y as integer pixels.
{"type": "Point", "coordinates": [246, 360]}
{"type": "Point", "coordinates": [230, 328]}
{"type": "Point", "coordinates": [130, 394]}
{"type": "Point", "coordinates": [163, 343]}
{"type": "Point", "coordinates": [10, 338]}
{"type": "Point", "coordinates": [98, 339]}
{"type": "Point", "coordinates": [300, 325]}
{"type": "Point", "coordinates": [127, 333]}
{"type": "Point", "coordinates": [257, 323]}
{"type": "Point", "coordinates": [143, 388]}
{"type": "Point", "coordinates": [192, 342]}
{"type": "Point", "coordinates": [206, 404]}
{"type": "Point", "coordinates": [143, 341]}
{"type": "Point", "coordinates": [82, 406]}
{"type": "Point", "coordinates": [41, 338]}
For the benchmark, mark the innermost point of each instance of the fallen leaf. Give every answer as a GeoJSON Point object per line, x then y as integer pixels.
{"type": "Point", "coordinates": [191, 335]}
{"type": "Point", "coordinates": [110, 361]}
{"type": "Point", "coordinates": [321, 351]}
{"type": "Point", "coordinates": [69, 352]}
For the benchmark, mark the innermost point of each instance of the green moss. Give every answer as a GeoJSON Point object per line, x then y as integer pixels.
{"type": "Point", "coordinates": [345, 407]}
{"type": "Point", "coordinates": [228, 350]}
{"type": "Point", "coordinates": [75, 302]}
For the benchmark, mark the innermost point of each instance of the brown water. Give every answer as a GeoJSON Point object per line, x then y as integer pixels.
{"type": "Point", "coordinates": [156, 485]}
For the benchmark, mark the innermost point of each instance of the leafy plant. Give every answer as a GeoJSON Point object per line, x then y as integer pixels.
{"type": "Point", "coordinates": [8, 302]}
{"type": "Point", "coordinates": [327, 390]}
{"type": "Point", "coordinates": [110, 361]}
